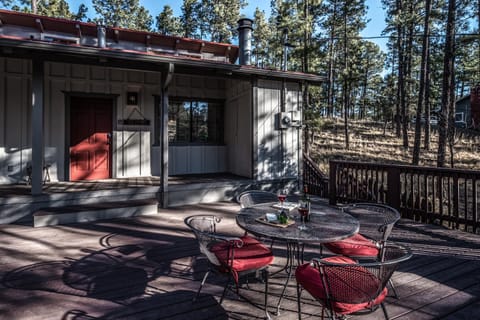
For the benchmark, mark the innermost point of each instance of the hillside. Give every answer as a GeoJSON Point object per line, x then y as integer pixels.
{"type": "Point", "coordinates": [369, 143]}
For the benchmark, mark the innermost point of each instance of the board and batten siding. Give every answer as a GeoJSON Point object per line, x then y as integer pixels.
{"type": "Point", "coordinates": [131, 145]}
{"type": "Point", "coordinates": [195, 159]}
{"type": "Point", "coordinates": [238, 127]}
{"type": "Point", "coordinates": [278, 152]}
{"type": "Point", "coordinates": [15, 115]}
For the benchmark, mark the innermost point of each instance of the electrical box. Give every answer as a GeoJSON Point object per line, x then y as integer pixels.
{"type": "Point", "coordinates": [285, 120]}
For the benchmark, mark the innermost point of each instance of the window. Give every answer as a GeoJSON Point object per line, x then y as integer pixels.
{"type": "Point", "coordinates": [191, 121]}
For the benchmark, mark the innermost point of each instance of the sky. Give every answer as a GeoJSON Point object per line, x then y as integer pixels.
{"type": "Point", "coordinates": [375, 14]}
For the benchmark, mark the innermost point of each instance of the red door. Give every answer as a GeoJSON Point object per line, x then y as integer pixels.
{"type": "Point", "coordinates": [90, 138]}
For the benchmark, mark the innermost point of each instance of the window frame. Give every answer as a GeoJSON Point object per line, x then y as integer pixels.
{"type": "Point", "coordinates": [182, 100]}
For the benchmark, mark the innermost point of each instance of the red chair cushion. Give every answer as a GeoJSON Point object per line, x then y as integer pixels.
{"type": "Point", "coordinates": [251, 256]}
{"type": "Point", "coordinates": [351, 289]}
{"type": "Point", "coordinates": [355, 246]}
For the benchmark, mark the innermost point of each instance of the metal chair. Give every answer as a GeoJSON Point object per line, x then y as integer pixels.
{"type": "Point", "coordinates": [344, 286]}
{"type": "Point", "coordinates": [376, 224]}
{"type": "Point", "coordinates": [252, 197]}
{"type": "Point", "coordinates": [231, 256]}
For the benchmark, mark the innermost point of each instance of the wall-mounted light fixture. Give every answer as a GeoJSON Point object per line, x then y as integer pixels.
{"type": "Point", "coordinates": [132, 98]}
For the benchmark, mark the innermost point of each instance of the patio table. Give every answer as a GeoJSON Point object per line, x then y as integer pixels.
{"type": "Point", "coordinates": [327, 224]}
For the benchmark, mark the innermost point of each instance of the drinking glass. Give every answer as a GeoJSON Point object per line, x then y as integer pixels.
{"type": "Point", "coordinates": [282, 195]}
{"type": "Point", "coordinates": [303, 212]}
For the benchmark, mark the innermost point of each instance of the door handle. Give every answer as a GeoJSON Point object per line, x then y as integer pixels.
{"type": "Point", "coordinates": [109, 138]}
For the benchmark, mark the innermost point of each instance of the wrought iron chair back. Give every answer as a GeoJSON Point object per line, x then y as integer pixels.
{"type": "Point", "coordinates": [376, 220]}
{"type": "Point", "coordinates": [344, 286]}
{"type": "Point", "coordinates": [253, 197]}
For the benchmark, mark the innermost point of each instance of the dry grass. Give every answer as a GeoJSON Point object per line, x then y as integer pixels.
{"type": "Point", "coordinates": [369, 143]}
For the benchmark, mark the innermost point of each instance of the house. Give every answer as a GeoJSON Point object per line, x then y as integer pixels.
{"type": "Point", "coordinates": [84, 102]}
{"type": "Point", "coordinates": [463, 111]}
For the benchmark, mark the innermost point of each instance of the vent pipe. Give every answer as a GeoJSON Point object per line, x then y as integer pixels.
{"type": "Point", "coordinates": [245, 40]}
{"type": "Point", "coordinates": [101, 36]}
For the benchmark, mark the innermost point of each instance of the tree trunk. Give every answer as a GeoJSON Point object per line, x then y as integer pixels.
{"type": "Point", "coordinates": [331, 64]}
{"type": "Point", "coordinates": [448, 90]}
{"type": "Point", "coordinates": [401, 84]}
{"type": "Point", "coordinates": [423, 83]}
{"type": "Point", "coordinates": [426, 143]}
{"type": "Point", "coordinates": [364, 90]}
{"type": "Point", "coordinates": [346, 93]}
{"type": "Point", "coordinates": [408, 77]}
{"type": "Point", "coordinates": [34, 6]}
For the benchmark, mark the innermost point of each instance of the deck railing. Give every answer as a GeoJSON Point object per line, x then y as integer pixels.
{"type": "Point", "coordinates": [313, 177]}
{"type": "Point", "coordinates": [449, 197]}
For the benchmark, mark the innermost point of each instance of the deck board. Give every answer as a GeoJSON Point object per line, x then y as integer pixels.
{"type": "Point", "coordinates": [150, 268]}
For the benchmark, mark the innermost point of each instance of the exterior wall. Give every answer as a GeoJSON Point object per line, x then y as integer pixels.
{"type": "Point", "coordinates": [131, 145]}
{"type": "Point", "coordinates": [15, 114]}
{"type": "Point", "coordinates": [238, 127]}
{"type": "Point", "coordinates": [278, 152]}
{"type": "Point", "coordinates": [191, 159]}
{"type": "Point", "coordinates": [463, 106]}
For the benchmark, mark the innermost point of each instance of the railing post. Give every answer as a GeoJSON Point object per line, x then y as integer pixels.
{"type": "Point", "coordinates": [332, 188]}
{"type": "Point", "coordinates": [393, 187]}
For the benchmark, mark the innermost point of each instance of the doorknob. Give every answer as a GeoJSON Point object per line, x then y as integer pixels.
{"type": "Point", "coordinates": [109, 138]}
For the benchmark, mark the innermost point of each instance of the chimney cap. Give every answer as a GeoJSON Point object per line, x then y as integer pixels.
{"type": "Point", "coordinates": [245, 23]}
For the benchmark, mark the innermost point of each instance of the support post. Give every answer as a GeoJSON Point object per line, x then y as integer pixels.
{"type": "Point", "coordinates": [332, 188]}
{"type": "Point", "coordinates": [393, 188]}
{"type": "Point", "coordinates": [167, 77]}
{"type": "Point", "coordinates": [37, 126]}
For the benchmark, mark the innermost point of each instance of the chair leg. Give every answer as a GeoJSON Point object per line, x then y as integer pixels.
{"type": "Point", "coordinates": [201, 285]}
{"type": "Point", "coordinates": [226, 288]}
{"type": "Point", "coordinates": [299, 308]}
{"type": "Point", "coordinates": [384, 311]}
{"type": "Point", "coordinates": [265, 275]}
{"type": "Point", "coordinates": [393, 288]}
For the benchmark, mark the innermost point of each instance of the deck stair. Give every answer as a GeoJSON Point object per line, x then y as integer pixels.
{"type": "Point", "coordinates": [92, 212]}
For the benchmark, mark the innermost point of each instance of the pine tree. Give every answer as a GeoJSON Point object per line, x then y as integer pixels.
{"type": "Point", "coordinates": [218, 19]}
{"type": "Point", "coordinates": [123, 13]}
{"type": "Point", "coordinates": [261, 35]}
{"type": "Point", "coordinates": [167, 23]}
{"type": "Point", "coordinates": [189, 18]}
{"type": "Point", "coordinates": [49, 8]}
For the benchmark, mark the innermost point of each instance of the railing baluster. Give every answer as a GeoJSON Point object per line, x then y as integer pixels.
{"type": "Point", "coordinates": [475, 206]}
{"type": "Point", "coordinates": [424, 194]}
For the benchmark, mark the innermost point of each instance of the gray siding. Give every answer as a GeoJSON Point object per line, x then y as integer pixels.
{"type": "Point", "coordinates": [278, 151]}
{"type": "Point", "coordinates": [131, 150]}
{"type": "Point", "coordinates": [15, 115]}
{"type": "Point", "coordinates": [238, 128]}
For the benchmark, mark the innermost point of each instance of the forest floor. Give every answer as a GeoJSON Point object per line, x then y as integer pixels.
{"type": "Point", "coordinates": [370, 142]}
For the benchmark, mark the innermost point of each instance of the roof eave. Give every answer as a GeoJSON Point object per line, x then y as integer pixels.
{"type": "Point", "coordinates": [100, 53]}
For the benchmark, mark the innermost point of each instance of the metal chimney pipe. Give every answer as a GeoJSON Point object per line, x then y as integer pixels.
{"type": "Point", "coordinates": [101, 36]}
{"type": "Point", "coordinates": [245, 40]}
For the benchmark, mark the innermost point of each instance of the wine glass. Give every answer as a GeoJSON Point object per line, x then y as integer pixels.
{"type": "Point", "coordinates": [282, 195]}
{"type": "Point", "coordinates": [303, 211]}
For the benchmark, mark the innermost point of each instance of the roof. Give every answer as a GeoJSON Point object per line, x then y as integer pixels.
{"type": "Point", "coordinates": [49, 37]}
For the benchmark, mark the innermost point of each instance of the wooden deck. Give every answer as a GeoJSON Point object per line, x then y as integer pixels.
{"type": "Point", "coordinates": [150, 268]}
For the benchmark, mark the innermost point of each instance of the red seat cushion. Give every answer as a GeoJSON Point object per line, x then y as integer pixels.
{"type": "Point", "coordinates": [355, 246]}
{"type": "Point", "coordinates": [351, 289]}
{"type": "Point", "coordinates": [251, 256]}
